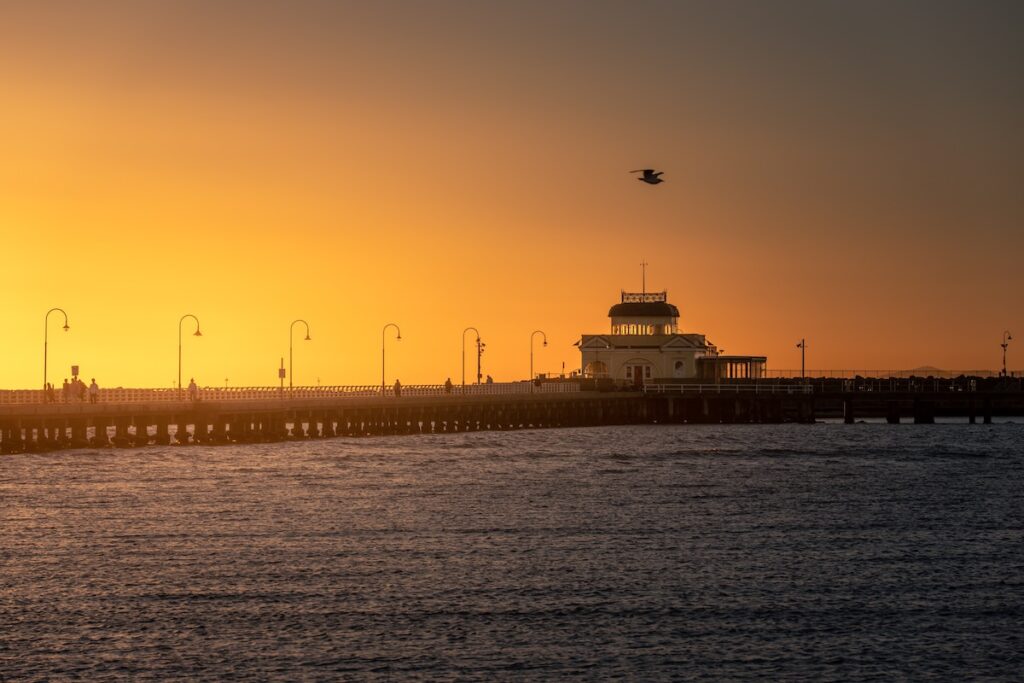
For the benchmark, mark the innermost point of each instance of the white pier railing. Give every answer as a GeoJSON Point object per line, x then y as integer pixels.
{"type": "Point", "coordinates": [144, 395]}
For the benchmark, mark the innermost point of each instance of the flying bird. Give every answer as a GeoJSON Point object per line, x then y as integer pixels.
{"type": "Point", "coordinates": [650, 176]}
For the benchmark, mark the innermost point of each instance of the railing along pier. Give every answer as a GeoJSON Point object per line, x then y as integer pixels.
{"type": "Point", "coordinates": [222, 415]}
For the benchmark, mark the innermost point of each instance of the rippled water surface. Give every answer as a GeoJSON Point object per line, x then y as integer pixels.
{"type": "Point", "coordinates": [830, 552]}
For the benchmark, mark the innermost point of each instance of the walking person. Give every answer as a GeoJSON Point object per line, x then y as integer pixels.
{"type": "Point", "coordinates": [66, 391]}
{"type": "Point", "coordinates": [80, 390]}
{"type": "Point", "coordinates": [193, 390]}
{"type": "Point", "coordinates": [448, 386]}
{"type": "Point", "coordinates": [94, 391]}
{"type": "Point", "coordinates": [398, 389]}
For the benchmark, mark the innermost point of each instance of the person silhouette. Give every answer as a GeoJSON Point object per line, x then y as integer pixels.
{"type": "Point", "coordinates": [193, 390]}
{"type": "Point", "coordinates": [398, 389]}
{"type": "Point", "coordinates": [94, 391]}
{"type": "Point", "coordinates": [448, 386]}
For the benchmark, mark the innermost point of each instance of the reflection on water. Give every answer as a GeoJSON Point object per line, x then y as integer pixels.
{"type": "Point", "coordinates": [821, 551]}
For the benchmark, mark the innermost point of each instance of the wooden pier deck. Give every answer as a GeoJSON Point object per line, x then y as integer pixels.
{"type": "Point", "coordinates": [139, 417]}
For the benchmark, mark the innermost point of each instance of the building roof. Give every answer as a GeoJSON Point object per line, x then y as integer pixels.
{"type": "Point", "coordinates": [669, 342]}
{"type": "Point", "coordinates": [652, 309]}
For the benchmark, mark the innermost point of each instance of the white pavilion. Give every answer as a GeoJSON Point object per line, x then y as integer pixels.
{"type": "Point", "coordinates": [645, 346]}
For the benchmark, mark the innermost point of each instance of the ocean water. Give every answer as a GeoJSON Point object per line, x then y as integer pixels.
{"type": "Point", "coordinates": [824, 552]}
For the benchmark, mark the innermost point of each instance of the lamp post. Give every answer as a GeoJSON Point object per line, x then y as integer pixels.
{"type": "Point", "coordinates": [803, 356]}
{"type": "Point", "coordinates": [532, 335]}
{"type": "Point", "coordinates": [1007, 338]}
{"type": "Point", "coordinates": [291, 330]}
{"type": "Point", "coordinates": [398, 336]}
{"type": "Point", "coordinates": [197, 333]}
{"type": "Point", "coordinates": [464, 353]}
{"type": "Point", "coordinates": [46, 341]}
{"type": "Point", "coordinates": [480, 346]}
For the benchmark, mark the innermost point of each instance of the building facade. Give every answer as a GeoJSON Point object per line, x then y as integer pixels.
{"type": "Point", "coordinates": [644, 345]}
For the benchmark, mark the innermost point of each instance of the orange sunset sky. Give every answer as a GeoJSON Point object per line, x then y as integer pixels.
{"type": "Point", "coordinates": [845, 172]}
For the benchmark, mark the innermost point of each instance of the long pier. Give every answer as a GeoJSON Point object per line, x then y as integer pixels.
{"type": "Point", "coordinates": [53, 426]}
{"type": "Point", "coordinates": [139, 417]}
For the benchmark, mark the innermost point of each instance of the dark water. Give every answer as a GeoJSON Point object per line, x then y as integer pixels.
{"type": "Point", "coordinates": [824, 552]}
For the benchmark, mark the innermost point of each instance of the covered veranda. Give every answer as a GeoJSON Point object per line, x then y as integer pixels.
{"type": "Point", "coordinates": [719, 368]}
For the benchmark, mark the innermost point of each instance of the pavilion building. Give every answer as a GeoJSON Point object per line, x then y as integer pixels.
{"type": "Point", "coordinates": [645, 346]}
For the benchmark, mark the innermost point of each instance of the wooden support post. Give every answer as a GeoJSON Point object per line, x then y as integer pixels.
{"type": "Point", "coordinates": [7, 436]}
{"type": "Point", "coordinates": [162, 436]}
{"type": "Point", "coordinates": [201, 430]}
{"type": "Point", "coordinates": [100, 436]}
{"type": "Point", "coordinates": [120, 432]}
{"type": "Point", "coordinates": [181, 434]}
{"type": "Point", "coordinates": [141, 437]}
{"type": "Point", "coordinates": [924, 412]}
{"type": "Point", "coordinates": [79, 437]}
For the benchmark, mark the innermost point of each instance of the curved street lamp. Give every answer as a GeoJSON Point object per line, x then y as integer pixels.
{"type": "Point", "coordinates": [197, 333]}
{"type": "Point", "coordinates": [291, 329]}
{"type": "Point", "coordinates": [1007, 338]}
{"type": "Point", "coordinates": [398, 336]}
{"type": "Point", "coordinates": [464, 353]}
{"type": "Point", "coordinates": [46, 341]}
{"type": "Point", "coordinates": [803, 359]}
{"type": "Point", "coordinates": [532, 335]}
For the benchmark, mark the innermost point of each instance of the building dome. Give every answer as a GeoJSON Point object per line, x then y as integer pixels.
{"type": "Point", "coordinates": [644, 313]}
{"type": "Point", "coordinates": [646, 309]}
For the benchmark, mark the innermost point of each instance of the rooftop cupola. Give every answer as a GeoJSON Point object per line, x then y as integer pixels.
{"type": "Point", "coordinates": [644, 313]}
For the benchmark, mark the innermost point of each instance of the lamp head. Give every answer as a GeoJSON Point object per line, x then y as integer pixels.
{"type": "Point", "coordinates": [545, 342]}
{"type": "Point", "coordinates": [66, 328]}
{"type": "Point", "coordinates": [197, 333]}
{"type": "Point", "coordinates": [308, 338]}
{"type": "Point", "coordinates": [399, 337]}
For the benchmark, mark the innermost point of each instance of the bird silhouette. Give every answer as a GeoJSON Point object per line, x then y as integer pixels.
{"type": "Point", "coordinates": [650, 176]}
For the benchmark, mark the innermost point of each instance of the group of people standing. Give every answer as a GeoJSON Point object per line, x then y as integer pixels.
{"type": "Point", "coordinates": [75, 391]}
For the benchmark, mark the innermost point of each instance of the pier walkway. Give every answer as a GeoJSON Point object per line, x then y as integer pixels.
{"type": "Point", "coordinates": [137, 417]}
